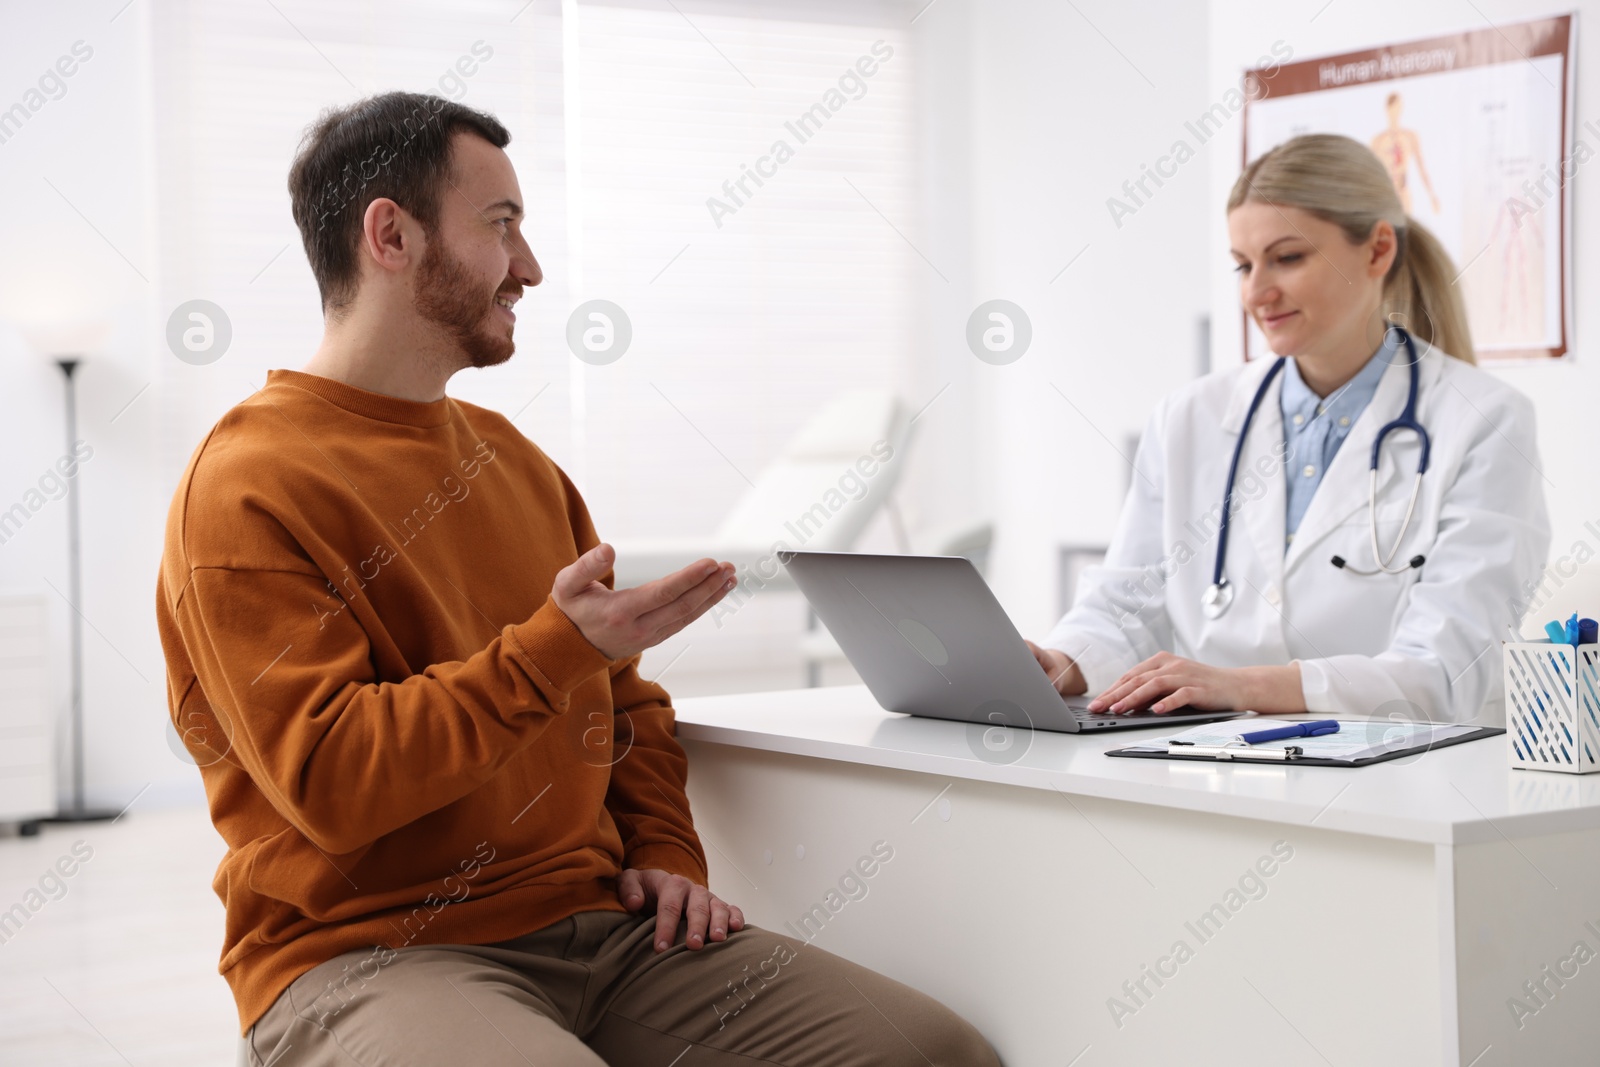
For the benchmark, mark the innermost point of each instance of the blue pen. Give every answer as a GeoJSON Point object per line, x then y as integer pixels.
{"type": "Point", "coordinates": [1572, 630]}
{"type": "Point", "coordinates": [1299, 729]}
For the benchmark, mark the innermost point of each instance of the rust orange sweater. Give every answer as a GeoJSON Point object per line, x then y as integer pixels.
{"type": "Point", "coordinates": [403, 740]}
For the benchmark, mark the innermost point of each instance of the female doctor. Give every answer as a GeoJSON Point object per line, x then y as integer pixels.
{"type": "Point", "coordinates": [1321, 585]}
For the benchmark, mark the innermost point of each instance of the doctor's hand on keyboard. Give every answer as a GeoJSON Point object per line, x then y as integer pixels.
{"type": "Point", "coordinates": [1063, 673]}
{"type": "Point", "coordinates": [1165, 682]}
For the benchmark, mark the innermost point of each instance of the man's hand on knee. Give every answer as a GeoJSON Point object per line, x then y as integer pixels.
{"type": "Point", "coordinates": [623, 622]}
{"type": "Point", "coordinates": [671, 896]}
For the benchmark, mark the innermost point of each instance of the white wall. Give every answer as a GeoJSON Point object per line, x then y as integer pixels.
{"type": "Point", "coordinates": [89, 246]}
{"type": "Point", "coordinates": [1564, 392]}
{"type": "Point", "coordinates": [1036, 113]}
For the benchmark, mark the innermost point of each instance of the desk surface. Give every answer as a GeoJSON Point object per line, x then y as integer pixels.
{"type": "Point", "coordinates": [1459, 795]}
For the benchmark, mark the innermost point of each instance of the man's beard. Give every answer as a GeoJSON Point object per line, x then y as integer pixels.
{"type": "Point", "coordinates": [448, 295]}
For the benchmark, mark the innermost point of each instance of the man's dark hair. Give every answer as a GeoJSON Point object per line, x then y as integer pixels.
{"type": "Point", "coordinates": [394, 145]}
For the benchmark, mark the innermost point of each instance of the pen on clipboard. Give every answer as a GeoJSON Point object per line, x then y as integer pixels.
{"type": "Point", "coordinates": [1299, 729]}
{"type": "Point", "coordinates": [1276, 733]}
{"type": "Point", "coordinates": [1241, 744]}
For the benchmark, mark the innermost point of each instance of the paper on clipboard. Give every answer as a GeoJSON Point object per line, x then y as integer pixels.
{"type": "Point", "coordinates": [1356, 739]}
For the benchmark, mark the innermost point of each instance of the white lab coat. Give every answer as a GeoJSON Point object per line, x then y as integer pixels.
{"type": "Point", "coordinates": [1425, 642]}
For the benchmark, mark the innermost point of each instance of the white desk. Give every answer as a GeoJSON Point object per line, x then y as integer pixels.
{"type": "Point", "coordinates": [1417, 898]}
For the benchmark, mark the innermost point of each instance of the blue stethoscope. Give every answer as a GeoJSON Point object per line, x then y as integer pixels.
{"type": "Point", "coordinates": [1217, 598]}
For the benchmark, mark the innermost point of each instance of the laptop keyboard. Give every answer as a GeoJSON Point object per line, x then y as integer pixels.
{"type": "Point", "coordinates": [1083, 714]}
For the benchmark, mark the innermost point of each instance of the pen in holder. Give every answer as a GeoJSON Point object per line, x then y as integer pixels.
{"type": "Point", "coordinates": [1553, 705]}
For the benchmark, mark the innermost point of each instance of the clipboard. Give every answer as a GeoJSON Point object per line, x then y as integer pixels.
{"type": "Point", "coordinates": [1302, 752]}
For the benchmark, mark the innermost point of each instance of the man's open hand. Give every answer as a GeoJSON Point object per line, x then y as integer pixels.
{"type": "Point", "coordinates": [623, 622]}
{"type": "Point", "coordinates": [672, 895]}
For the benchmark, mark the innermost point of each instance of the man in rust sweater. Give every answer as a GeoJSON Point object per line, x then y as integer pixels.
{"type": "Point", "coordinates": [455, 813]}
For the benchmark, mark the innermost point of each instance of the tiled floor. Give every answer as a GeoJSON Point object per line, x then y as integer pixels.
{"type": "Point", "coordinates": [116, 964]}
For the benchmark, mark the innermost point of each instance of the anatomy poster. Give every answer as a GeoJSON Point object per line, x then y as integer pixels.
{"type": "Point", "coordinates": [1474, 129]}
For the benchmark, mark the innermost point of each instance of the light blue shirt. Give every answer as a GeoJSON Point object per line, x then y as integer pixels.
{"type": "Point", "coordinates": [1314, 428]}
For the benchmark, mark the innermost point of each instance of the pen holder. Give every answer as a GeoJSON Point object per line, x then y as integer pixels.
{"type": "Point", "coordinates": [1553, 706]}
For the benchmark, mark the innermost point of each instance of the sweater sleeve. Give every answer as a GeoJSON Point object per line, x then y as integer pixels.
{"type": "Point", "coordinates": [647, 797]}
{"type": "Point", "coordinates": [343, 757]}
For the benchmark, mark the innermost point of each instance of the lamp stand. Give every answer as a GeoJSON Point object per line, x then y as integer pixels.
{"type": "Point", "coordinates": [78, 812]}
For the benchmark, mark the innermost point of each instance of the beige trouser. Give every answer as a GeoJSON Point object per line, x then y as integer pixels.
{"type": "Point", "coordinates": [590, 990]}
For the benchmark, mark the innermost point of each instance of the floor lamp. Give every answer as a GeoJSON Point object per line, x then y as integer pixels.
{"type": "Point", "coordinates": [78, 812]}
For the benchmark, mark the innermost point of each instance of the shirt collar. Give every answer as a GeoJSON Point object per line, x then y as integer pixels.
{"type": "Point", "coordinates": [1349, 400]}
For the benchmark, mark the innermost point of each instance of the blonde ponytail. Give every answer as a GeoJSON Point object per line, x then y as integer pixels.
{"type": "Point", "coordinates": [1420, 291]}
{"type": "Point", "coordinates": [1341, 181]}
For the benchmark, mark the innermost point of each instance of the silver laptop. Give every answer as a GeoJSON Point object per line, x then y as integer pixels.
{"type": "Point", "coordinates": [928, 638]}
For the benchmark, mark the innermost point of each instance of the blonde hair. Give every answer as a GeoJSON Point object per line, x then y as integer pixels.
{"type": "Point", "coordinates": [1341, 181]}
